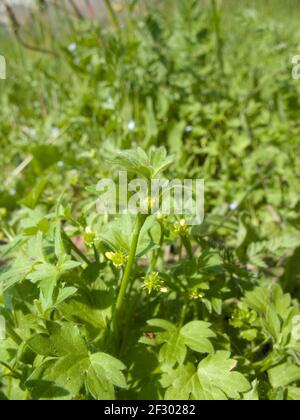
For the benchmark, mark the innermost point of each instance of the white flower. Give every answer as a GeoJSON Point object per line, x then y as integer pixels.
{"type": "Point", "coordinates": [131, 125]}
{"type": "Point", "coordinates": [72, 47]}
{"type": "Point", "coordinates": [60, 164]}
{"type": "Point", "coordinates": [54, 131]}
{"type": "Point", "coordinates": [234, 205]}
{"type": "Point", "coordinates": [188, 129]}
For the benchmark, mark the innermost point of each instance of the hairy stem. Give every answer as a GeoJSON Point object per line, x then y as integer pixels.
{"type": "Point", "coordinates": [188, 246]}
{"type": "Point", "coordinates": [74, 247]}
{"type": "Point", "coordinates": [126, 276]}
{"type": "Point", "coordinates": [183, 311]}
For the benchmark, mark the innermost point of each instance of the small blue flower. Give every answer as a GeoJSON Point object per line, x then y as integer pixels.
{"type": "Point", "coordinates": [234, 205]}
{"type": "Point", "coordinates": [72, 47]}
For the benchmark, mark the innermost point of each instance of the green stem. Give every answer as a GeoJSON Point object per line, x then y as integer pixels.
{"type": "Point", "coordinates": [158, 252]}
{"type": "Point", "coordinates": [183, 311]}
{"type": "Point", "coordinates": [96, 253]}
{"type": "Point", "coordinates": [126, 276]}
{"type": "Point", "coordinates": [132, 5]}
{"type": "Point", "coordinates": [188, 246]}
{"type": "Point", "coordinates": [74, 247]}
{"type": "Point", "coordinates": [219, 41]}
{"type": "Point", "coordinates": [13, 335]}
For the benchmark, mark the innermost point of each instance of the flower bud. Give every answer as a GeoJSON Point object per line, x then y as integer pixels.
{"type": "Point", "coordinates": [181, 228]}
{"type": "Point", "coordinates": [153, 283]}
{"type": "Point", "coordinates": [119, 259]}
{"type": "Point", "coordinates": [89, 236]}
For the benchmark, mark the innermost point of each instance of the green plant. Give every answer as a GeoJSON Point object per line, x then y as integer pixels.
{"type": "Point", "coordinates": [79, 317]}
{"type": "Point", "coordinates": [144, 306]}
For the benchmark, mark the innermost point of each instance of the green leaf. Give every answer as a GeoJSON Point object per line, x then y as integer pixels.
{"type": "Point", "coordinates": [41, 226]}
{"type": "Point", "coordinates": [15, 272]}
{"type": "Point", "coordinates": [252, 395]}
{"type": "Point", "coordinates": [93, 310]}
{"type": "Point", "coordinates": [46, 276]}
{"type": "Point", "coordinates": [173, 349]}
{"type": "Point", "coordinates": [135, 161]}
{"type": "Point", "coordinates": [66, 339]}
{"type": "Point", "coordinates": [179, 382]}
{"type": "Point", "coordinates": [284, 375]}
{"type": "Point", "coordinates": [293, 393]}
{"type": "Point", "coordinates": [60, 340]}
{"type": "Point", "coordinates": [273, 324]}
{"type": "Point", "coordinates": [175, 341]}
{"type": "Point", "coordinates": [138, 162]}
{"type": "Point", "coordinates": [118, 234]}
{"type": "Point", "coordinates": [43, 272]}
{"type": "Point", "coordinates": [216, 381]}
{"type": "Point", "coordinates": [160, 161]}
{"type": "Point", "coordinates": [213, 380]}
{"type": "Point", "coordinates": [146, 243]}
{"type": "Point", "coordinates": [64, 294]}
{"type": "Point", "coordinates": [104, 373]}
{"type": "Point", "coordinates": [162, 323]}
{"type": "Point", "coordinates": [258, 299]}
{"type": "Point", "coordinates": [41, 344]}
{"type": "Point", "coordinates": [196, 334]}
{"type": "Point", "coordinates": [71, 365]}
{"type": "Point", "coordinates": [97, 383]}
{"type": "Point", "coordinates": [46, 155]}
{"type": "Point", "coordinates": [33, 197]}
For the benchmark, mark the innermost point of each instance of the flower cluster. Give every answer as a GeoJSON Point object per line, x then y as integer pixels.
{"type": "Point", "coordinates": [153, 283]}
{"type": "Point", "coordinates": [181, 228]}
{"type": "Point", "coordinates": [119, 258]}
{"type": "Point", "coordinates": [195, 294]}
{"type": "Point", "coordinates": [89, 237]}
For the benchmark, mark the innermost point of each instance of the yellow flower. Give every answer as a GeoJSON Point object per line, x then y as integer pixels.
{"type": "Point", "coordinates": [89, 236]}
{"type": "Point", "coordinates": [153, 283]}
{"type": "Point", "coordinates": [196, 295]}
{"type": "Point", "coordinates": [84, 265]}
{"type": "Point", "coordinates": [7, 371]}
{"type": "Point", "coordinates": [181, 228]}
{"type": "Point", "coordinates": [119, 259]}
